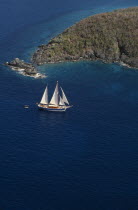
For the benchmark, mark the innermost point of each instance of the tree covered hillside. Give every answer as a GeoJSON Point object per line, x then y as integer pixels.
{"type": "Point", "coordinates": [110, 37]}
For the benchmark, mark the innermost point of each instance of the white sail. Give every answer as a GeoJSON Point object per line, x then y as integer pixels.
{"type": "Point", "coordinates": [61, 102]}
{"type": "Point", "coordinates": [44, 99]}
{"type": "Point", "coordinates": [64, 98]}
{"type": "Point", "coordinates": [55, 97]}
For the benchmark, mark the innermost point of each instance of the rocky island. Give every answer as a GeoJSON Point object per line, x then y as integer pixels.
{"type": "Point", "coordinates": [26, 69]}
{"type": "Point", "coordinates": [110, 37]}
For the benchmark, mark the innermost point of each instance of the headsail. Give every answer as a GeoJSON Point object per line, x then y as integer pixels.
{"type": "Point", "coordinates": [64, 98]}
{"type": "Point", "coordinates": [44, 99]}
{"type": "Point", "coordinates": [55, 97]}
{"type": "Point", "coordinates": [61, 102]}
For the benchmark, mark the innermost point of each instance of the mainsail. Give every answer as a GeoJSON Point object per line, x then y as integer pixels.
{"type": "Point", "coordinates": [44, 99]}
{"type": "Point", "coordinates": [55, 97]}
{"type": "Point", "coordinates": [64, 98]}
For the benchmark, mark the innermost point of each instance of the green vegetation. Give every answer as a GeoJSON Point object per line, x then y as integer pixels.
{"type": "Point", "coordinates": [111, 37]}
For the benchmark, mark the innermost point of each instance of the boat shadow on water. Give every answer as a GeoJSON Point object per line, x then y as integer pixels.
{"type": "Point", "coordinates": [52, 118]}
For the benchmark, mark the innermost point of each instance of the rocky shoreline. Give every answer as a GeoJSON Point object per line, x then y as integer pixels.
{"type": "Point", "coordinates": [26, 69]}
{"type": "Point", "coordinates": [37, 59]}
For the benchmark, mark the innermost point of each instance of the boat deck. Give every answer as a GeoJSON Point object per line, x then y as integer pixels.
{"type": "Point", "coordinates": [50, 107]}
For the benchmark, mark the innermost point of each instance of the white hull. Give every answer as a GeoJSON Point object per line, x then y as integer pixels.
{"type": "Point", "coordinates": [53, 109]}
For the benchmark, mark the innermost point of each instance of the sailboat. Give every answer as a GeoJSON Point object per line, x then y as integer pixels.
{"type": "Point", "coordinates": [58, 103]}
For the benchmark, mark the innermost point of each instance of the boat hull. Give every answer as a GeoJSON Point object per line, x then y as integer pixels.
{"type": "Point", "coordinates": [53, 109]}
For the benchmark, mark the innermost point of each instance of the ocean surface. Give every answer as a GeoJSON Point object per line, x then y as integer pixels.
{"type": "Point", "coordinates": [86, 158]}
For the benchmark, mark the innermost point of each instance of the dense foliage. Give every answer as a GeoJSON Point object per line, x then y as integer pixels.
{"type": "Point", "coordinates": [111, 37]}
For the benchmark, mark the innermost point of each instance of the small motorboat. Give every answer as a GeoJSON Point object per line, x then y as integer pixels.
{"type": "Point", "coordinates": [26, 106]}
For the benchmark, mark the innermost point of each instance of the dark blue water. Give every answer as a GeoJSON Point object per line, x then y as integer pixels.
{"type": "Point", "coordinates": [84, 159]}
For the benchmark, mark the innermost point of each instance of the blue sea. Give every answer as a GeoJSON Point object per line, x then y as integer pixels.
{"type": "Point", "coordinates": [86, 158]}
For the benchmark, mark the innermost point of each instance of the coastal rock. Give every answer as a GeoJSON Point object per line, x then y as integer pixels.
{"type": "Point", "coordinates": [110, 37]}
{"type": "Point", "coordinates": [24, 68]}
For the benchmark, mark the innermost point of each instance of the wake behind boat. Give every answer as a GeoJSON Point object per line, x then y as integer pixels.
{"type": "Point", "coordinates": [58, 103]}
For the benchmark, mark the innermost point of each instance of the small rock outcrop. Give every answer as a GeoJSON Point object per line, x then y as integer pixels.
{"type": "Point", "coordinates": [24, 68]}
